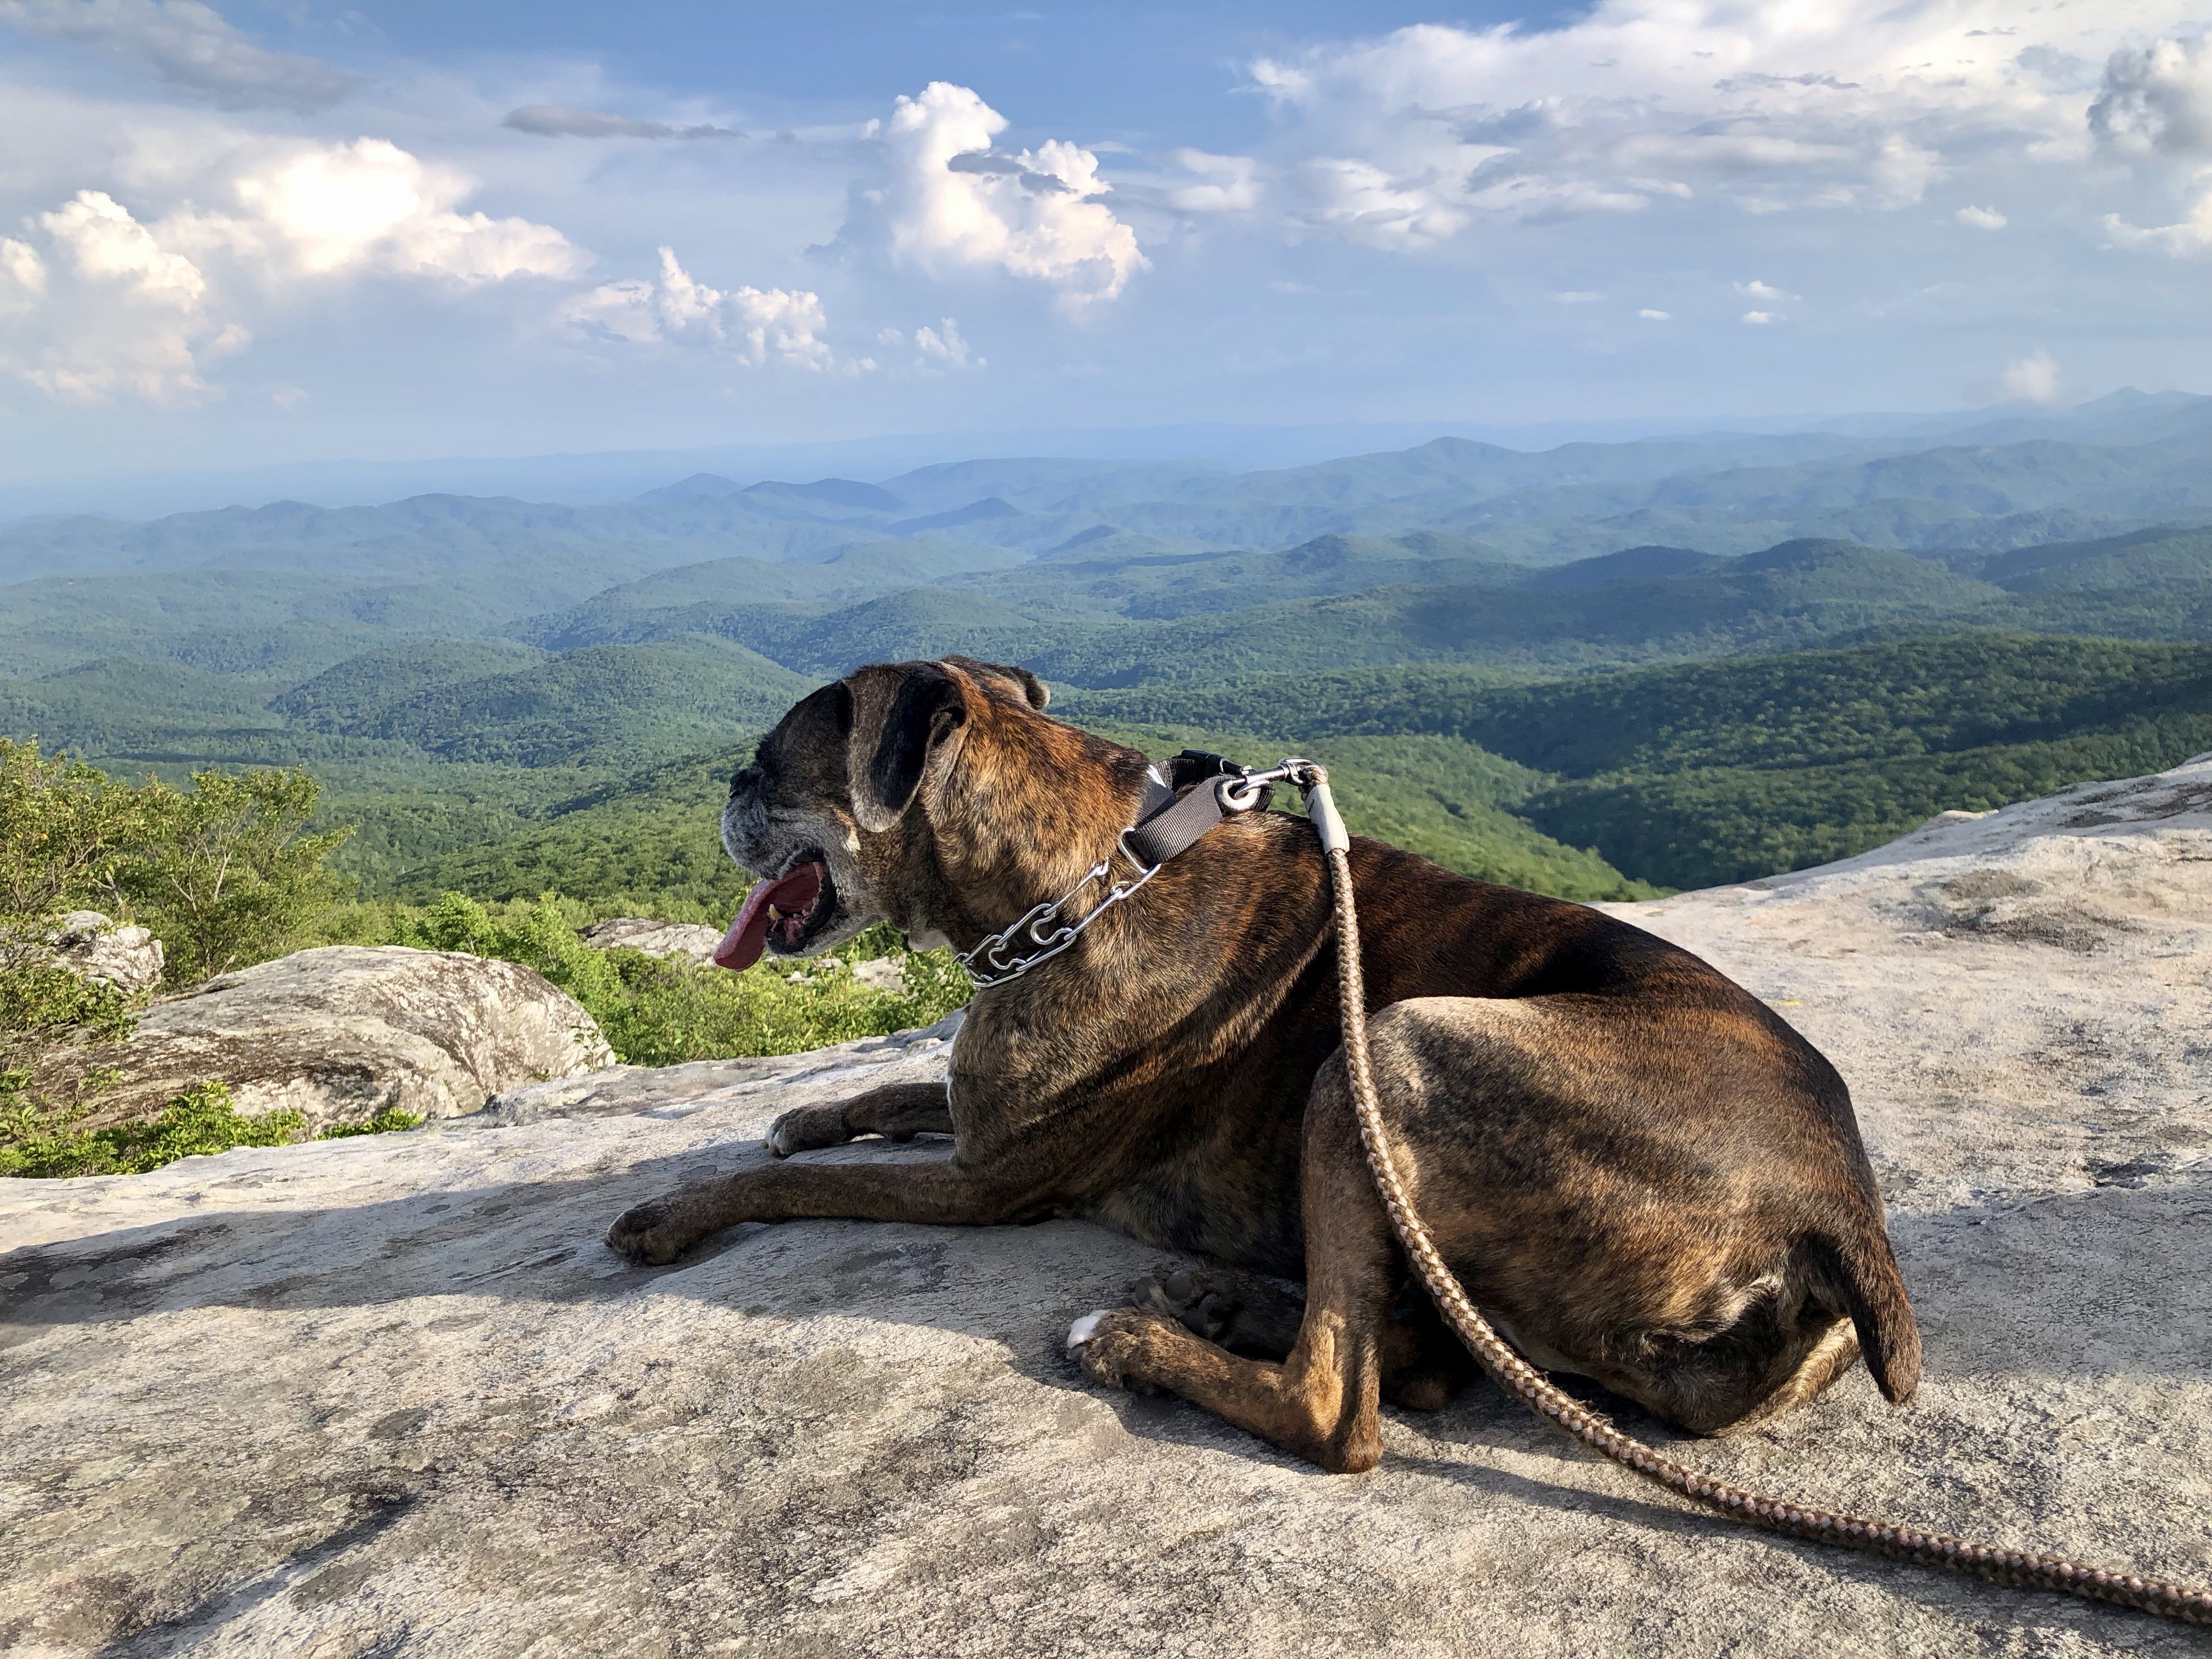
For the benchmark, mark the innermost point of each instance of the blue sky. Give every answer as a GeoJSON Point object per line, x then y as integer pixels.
{"type": "Point", "coordinates": [249, 234]}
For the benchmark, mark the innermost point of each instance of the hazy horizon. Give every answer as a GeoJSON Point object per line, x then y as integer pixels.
{"type": "Point", "coordinates": [590, 477]}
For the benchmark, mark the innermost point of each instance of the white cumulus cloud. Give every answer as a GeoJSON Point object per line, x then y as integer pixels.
{"type": "Point", "coordinates": [371, 206]}
{"type": "Point", "coordinates": [2032, 378]}
{"type": "Point", "coordinates": [940, 347]}
{"type": "Point", "coordinates": [1981, 218]}
{"type": "Point", "coordinates": [1650, 315]}
{"type": "Point", "coordinates": [114, 304]}
{"type": "Point", "coordinates": [951, 201]}
{"type": "Point", "coordinates": [943, 344]}
{"type": "Point", "coordinates": [188, 44]}
{"type": "Point", "coordinates": [2154, 106]}
{"type": "Point", "coordinates": [1415, 137]}
{"type": "Point", "coordinates": [759, 326]}
{"type": "Point", "coordinates": [130, 321]}
{"type": "Point", "coordinates": [2191, 234]}
{"type": "Point", "coordinates": [104, 241]}
{"type": "Point", "coordinates": [22, 274]}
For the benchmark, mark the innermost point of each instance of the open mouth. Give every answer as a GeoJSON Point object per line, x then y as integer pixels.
{"type": "Point", "coordinates": [783, 913]}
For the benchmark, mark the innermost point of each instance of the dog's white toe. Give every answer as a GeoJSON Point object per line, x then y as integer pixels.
{"type": "Point", "coordinates": [1085, 1328]}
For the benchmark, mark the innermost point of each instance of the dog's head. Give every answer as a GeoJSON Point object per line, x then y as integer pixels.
{"type": "Point", "coordinates": [847, 811]}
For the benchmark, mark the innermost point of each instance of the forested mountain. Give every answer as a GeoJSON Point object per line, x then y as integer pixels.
{"type": "Point", "coordinates": [1504, 660]}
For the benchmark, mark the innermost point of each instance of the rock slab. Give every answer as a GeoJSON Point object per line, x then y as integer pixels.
{"type": "Point", "coordinates": [341, 1033]}
{"type": "Point", "coordinates": [393, 1395]}
{"type": "Point", "coordinates": [694, 941]}
{"type": "Point", "coordinates": [94, 946]}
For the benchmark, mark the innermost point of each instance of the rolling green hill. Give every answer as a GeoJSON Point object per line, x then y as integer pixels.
{"type": "Point", "coordinates": [610, 705]}
{"type": "Point", "coordinates": [1751, 671]}
{"type": "Point", "coordinates": [1695, 774]}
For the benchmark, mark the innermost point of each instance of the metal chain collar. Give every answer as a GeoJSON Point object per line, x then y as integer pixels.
{"type": "Point", "coordinates": [1032, 939]}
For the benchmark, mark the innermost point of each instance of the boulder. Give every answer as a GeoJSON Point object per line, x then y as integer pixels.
{"type": "Point", "coordinates": [881, 973]}
{"type": "Point", "coordinates": [126, 956]}
{"type": "Point", "coordinates": [655, 938]}
{"type": "Point", "coordinates": [341, 1033]}
{"type": "Point", "coordinates": [356, 1396]}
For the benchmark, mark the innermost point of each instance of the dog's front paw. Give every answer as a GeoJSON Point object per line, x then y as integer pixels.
{"type": "Point", "coordinates": [805, 1128]}
{"type": "Point", "coordinates": [1109, 1342]}
{"type": "Point", "coordinates": [652, 1234]}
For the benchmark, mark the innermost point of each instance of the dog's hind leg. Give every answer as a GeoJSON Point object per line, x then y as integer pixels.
{"type": "Point", "coordinates": [899, 1111]}
{"type": "Point", "coordinates": [1321, 1401]}
{"type": "Point", "coordinates": [1241, 1311]}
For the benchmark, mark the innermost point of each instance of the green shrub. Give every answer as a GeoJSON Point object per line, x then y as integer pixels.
{"type": "Point", "coordinates": [659, 1011]}
{"type": "Point", "coordinates": [221, 872]}
{"type": "Point", "coordinates": [38, 1137]}
{"type": "Point", "coordinates": [676, 1012]}
{"type": "Point", "coordinates": [390, 1121]}
{"type": "Point", "coordinates": [38, 1140]}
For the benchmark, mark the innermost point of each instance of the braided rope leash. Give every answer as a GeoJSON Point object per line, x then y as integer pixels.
{"type": "Point", "coordinates": [2018, 1568]}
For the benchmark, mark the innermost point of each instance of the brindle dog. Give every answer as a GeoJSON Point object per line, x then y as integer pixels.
{"type": "Point", "coordinates": [1639, 1171]}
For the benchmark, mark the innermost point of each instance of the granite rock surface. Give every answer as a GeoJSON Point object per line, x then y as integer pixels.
{"type": "Point", "coordinates": [694, 941]}
{"type": "Point", "coordinates": [95, 946]}
{"type": "Point", "coordinates": [393, 1395]}
{"type": "Point", "coordinates": [344, 1031]}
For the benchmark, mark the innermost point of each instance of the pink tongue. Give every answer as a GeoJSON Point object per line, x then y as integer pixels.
{"type": "Point", "coordinates": [742, 945]}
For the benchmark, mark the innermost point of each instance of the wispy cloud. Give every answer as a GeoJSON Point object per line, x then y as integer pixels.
{"type": "Point", "coordinates": [559, 121]}
{"type": "Point", "coordinates": [188, 44]}
{"type": "Point", "coordinates": [1412, 137]}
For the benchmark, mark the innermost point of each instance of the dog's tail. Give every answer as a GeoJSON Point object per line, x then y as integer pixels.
{"type": "Point", "coordinates": [1874, 1292]}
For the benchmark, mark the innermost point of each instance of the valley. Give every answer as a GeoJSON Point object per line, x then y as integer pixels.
{"type": "Point", "coordinates": [1601, 671]}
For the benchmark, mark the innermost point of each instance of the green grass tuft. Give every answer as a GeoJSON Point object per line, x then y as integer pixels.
{"type": "Point", "coordinates": [37, 1141]}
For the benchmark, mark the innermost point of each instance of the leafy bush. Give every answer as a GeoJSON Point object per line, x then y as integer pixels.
{"type": "Point", "coordinates": [221, 872]}
{"type": "Point", "coordinates": [63, 828]}
{"type": "Point", "coordinates": [676, 1012]}
{"type": "Point", "coordinates": [659, 1011]}
{"type": "Point", "coordinates": [40, 1141]}
{"type": "Point", "coordinates": [390, 1121]}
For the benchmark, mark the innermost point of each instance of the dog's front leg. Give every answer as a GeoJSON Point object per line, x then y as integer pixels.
{"type": "Point", "coordinates": [662, 1229]}
{"type": "Point", "coordinates": [899, 1110]}
{"type": "Point", "coordinates": [1320, 1401]}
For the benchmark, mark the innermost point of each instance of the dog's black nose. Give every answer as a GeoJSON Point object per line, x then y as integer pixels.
{"type": "Point", "coordinates": [746, 780]}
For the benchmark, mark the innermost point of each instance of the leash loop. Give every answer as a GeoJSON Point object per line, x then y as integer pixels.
{"type": "Point", "coordinates": [2187, 1603]}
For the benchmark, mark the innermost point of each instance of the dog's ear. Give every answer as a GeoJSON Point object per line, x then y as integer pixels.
{"type": "Point", "coordinates": [905, 716]}
{"type": "Point", "coordinates": [1023, 683]}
